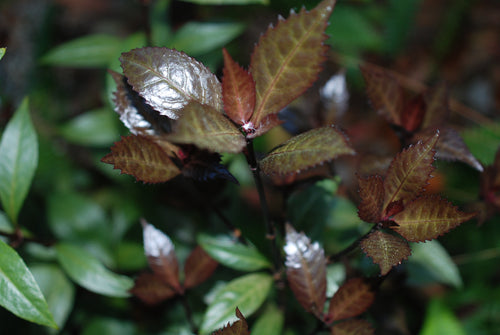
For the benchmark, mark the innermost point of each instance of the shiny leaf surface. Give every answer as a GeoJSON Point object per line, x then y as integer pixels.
{"type": "Point", "coordinates": [199, 267]}
{"type": "Point", "coordinates": [371, 192]}
{"type": "Point", "coordinates": [386, 250]}
{"type": "Point", "coordinates": [239, 327]}
{"type": "Point", "coordinates": [168, 80]}
{"type": "Point", "coordinates": [152, 289]}
{"type": "Point", "coordinates": [352, 299]}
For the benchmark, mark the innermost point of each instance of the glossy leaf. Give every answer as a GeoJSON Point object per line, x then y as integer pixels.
{"type": "Point", "coordinates": [239, 327]}
{"type": "Point", "coordinates": [287, 59]}
{"type": "Point", "coordinates": [238, 91]}
{"type": "Point", "coordinates": [89, 272]}
{"type": "Point", "coordinates": [86, 52]}
{"type": "Point", "coordinates": [233, 254]}
{"type": "Point", "coordinates": [18, 160]}
{"type": "Point", "coordinates": [208, 129]}
{"type": "Point", "coordinates": [152, 289]}
{"type": "Point", "coordinates": [304, 151]}
{"type": "Point", "coordinates": [306, 270]}
{"type": "Point", "coordinates": [371, 192]}
{"type": "Point", "coordinates": [409, 171]}
{"type": "Point", "coordinates": [426, 218]}
{"type": "Point", "coordinates": [270, 322]}
{"type": "Point", "coordinates": [19, 292]}
{"type": "Point", "coordinates": [199, 267]}
{"type": "Point", "coordinates": [384, 92]}
{"type": "Point", "coordinates": [247, 293]}
{"type": "Point", "coordinates": [386, 250]}
{"type": "Point", "coordinates": [142, 158]}
{"type": "Point", "coordinates": [161, 256]}
{"type": "Point", "coordinates": [168, 80]}
{"type": "Point", "coordinates": [352, 299]}
{"type": "Point", "coordinates": [353, 327]}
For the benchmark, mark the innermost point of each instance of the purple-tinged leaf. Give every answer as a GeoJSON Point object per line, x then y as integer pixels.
{"type": "Point", "coordinates": [160, 253]}
{"type": "Point", "coordinates": [426, 218]}
{"type": "Point", "coordinates": [206, 128]}
{"type": "Point", "coordinates": [143, 158]}
{"type": "Point", "coordinates": [371, 192]}
{"type": "Point", "coordinates": [287, 60]}
{"type": "Point", "coordinates": [152, 289]}
{"type": "Point", "coordinates": [306, 271]}
{"type": "Point", "coordinates": [168, 80]}
{"type": "Point", "coordinates": [351, 299]}
{"type": "Point", "coordinates": [386, 250]}
{"type": "Point", "coordinates": [239, 327]}
{"type": "Point", "coordinates": [413, 114]}
{"type": "Point", "coordinates": [305, 151]}
{"type": "Point", "coordinates": [238, 91]}
{"type": "Point", "coordinates": [353, 327]}
{"type": "Point", "coordinates": [437, 106]}
{"type": "Point", "coordinates": [198, 268]}
{"type": "Point", "coordinates": [409, 172]}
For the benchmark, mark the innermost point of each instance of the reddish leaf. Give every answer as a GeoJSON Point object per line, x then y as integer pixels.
{"type": "Point", "coordinates": [160, 253]}
{"type": "Point", "coordinates": [152, 289]}
{"type": "Point", "coordinates": [238, 91]}
{"type": "Point", "coordinates": [239, 327]}
{"type": "Point", "coordinates": [351, 299]}
{"type": "Point", "coordinates": [306, 270]}
{"type": "Point", "coordinates": [142, 158]}
{"type": "Point", "coordinates": [204, 127]}
{"type": "Point", "coordinates": [168, 80]}
{"type": "Point", "coordinates": [437, 110]}
{"type": "Point", "coordinates": [304, 151]}
{"type": "Point", "coordinates": [386, 250]}
{"type": "Point", "coordinates": [353, 327]}
{"type": "Point", "coordinates": [384, 92]}
{"type": "Point", "coordinates": [409, 171]}
{"type": "Point", "coordinates": [413, 114]}
{"type": "Point", "coordinates": [427, 218]}
{"type": "Point", "coordinates": [287, 60]}
{"type": "Point", "coordinates": [371, 191]}
{"type": "Point", "coordinates": [198, 268]}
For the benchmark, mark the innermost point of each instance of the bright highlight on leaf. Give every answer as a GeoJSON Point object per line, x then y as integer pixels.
{"type": "Point", "coordinates": [352, 299]}
{"type": "Point", "coordinates": [386, 250]}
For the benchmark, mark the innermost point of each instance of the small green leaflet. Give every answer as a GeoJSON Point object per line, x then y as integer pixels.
{"type": "Point", "coordinates": [19, 292]}
{"type": "Point", "coordinates": [2, 52]}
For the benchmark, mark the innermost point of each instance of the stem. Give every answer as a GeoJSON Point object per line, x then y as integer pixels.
{"type": "Point", "coordinates": [352, 246]}
{"type": "Point", "coordinates": [17, 238]}
{"type": "Point", "coordinates": [189, 314]}
{"type": "Point", "coordinates": [270, 228]}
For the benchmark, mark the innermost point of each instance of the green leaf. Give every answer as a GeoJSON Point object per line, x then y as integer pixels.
{"type": "Point", "coordinates": [109, 326]}
{"type": "Point", "coordinates": [430, 262]}
{"type": "Point", "coordinates": [58, 290]}
{"type": "Point", "coordinates": [233, 254]}
{"type": "Point", "coordinates": [228, 2]}
{"type": "Point", "coordinates": [483, 141]}
{"type": "Point", "coordinates": [19, 292]}
{"type": "Point", "coordinates": [160, 22]}
{"type": "Point", "coordinates": [246, 292]}
{"type": "Point", "coordinates": [305, 151]}
{"type": "Point", "coordinates": [196, 38]}
{"type": "Point", "coordinates": [86, 52]}
{"type": "Point", "coordinates": [88, 272]}
{"type": "Point", "coordinates": [270, 322]}
{"type": "Point", "coordinates": [93, 128]}
{"type": "Point", "coordinates": [207, 128]}
{"type": "Point", "coordinates": [439, 319]}
{"type": "Point", "coordinates": [18, 160]}
{"type": "Point", "coordinates": [2, 52]}
{"type": "Point", "coordinates": [239, 327]}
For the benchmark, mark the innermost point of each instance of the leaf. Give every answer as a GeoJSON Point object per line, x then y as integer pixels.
{"type": "Point", "coordinates": [426, 218]}
{"type": "Point", "coordinates": [203, 165]}
{"type": "Point", "coordinates": [206, 128]}
{"type": "Point", "coordinates": [161, 256]}
{"type": "Point", "coordinates": [353, 327]}
{"type": "Point", "coordinates": [306, 270]}
{"type": "Point", "coordinates": [199, 267]}
{"type": "Point", "coordinates": [483, 141]}
{"type": "Point", "coordinates": [152, 289]}
{"type": "Point", "coordinates": [18, 160]}
{"type": "Point", "coordinates": [247, 293]}
{"type": "Point", "coordinates": [439, 319]}
{"type": "Point", "coordinates": [239, 327]}
{"type": "Point", "coordinates": [270, 322]}
{"type": "Point", "coordinates": [413, 114]}
{"type": "Point", "coordinates": [142, 158]}
{"type": "Point", "coordinates": [197, 38]}
{"type": "Point", "coordinates": [409, 171]}
{"type": "Point", "coordinates": [386, 250]}
{"type": "Point", "coordinates": [233, 254]}
{"type": "Point", "coordinates": [305, 151]}
{"type": "Point", "coordinates": [384, 92]}
{"type": "Point", "coordinates": [352, 299]}
{"type": "Point", "coordinates": [86, 52]}
{"type": "Point", "coordinates": [371, 192]}
{"type": "Point", "coordinates": [228, 2]}
{"type": "Point", "coordinates": [168, 80]}
{"type": "Point", "coordinates": [2, 52]}
{"type": "Point", "coordinates": [88, 272]}
{"type": "Point", "coordinates": [437, 109]}
{"type": "Point", "coordinates": [238, 91]}
{"type": "Point", "coordinates": [19, 292]}
{"type": "Point", "coordinates": [287, 60]}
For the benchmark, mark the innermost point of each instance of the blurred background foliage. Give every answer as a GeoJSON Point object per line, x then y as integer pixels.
{"type": "Point", "coordinates": [57, 55]}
